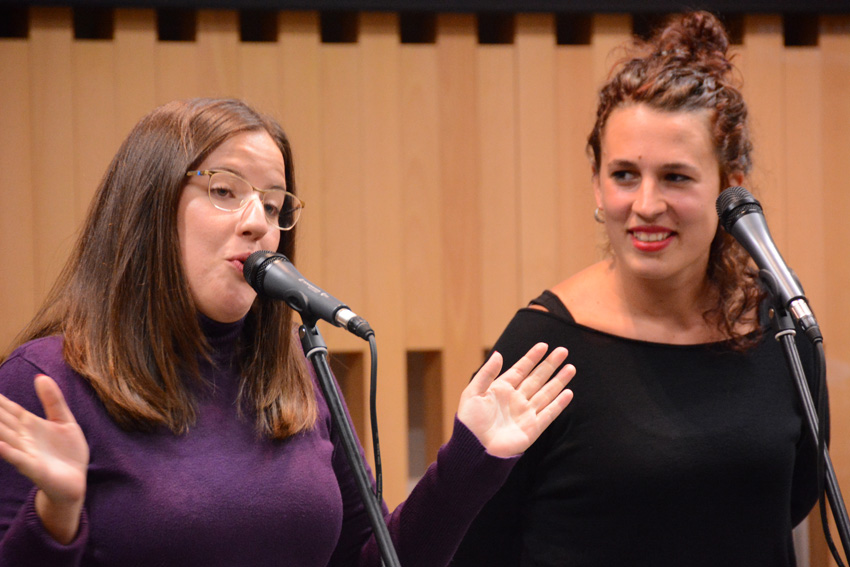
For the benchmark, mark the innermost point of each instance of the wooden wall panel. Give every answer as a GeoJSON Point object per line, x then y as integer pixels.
{"type": "Point", "coordinates": [217, 52]}
{"type": "Point", "coordinates": [18, 297]}
{"type": "Point", "coordinates": [344, 210]}
{"type": "Point", "coordinates": [422, 199]}
{"type": "Point", "coordinates": [835, 108]}
{"type": "Point", "coordinates": [499, 200]}
{"type": "Point", "coordinates": [383, 236]}
{"type": "Point", "coordinates": [578, 233]}
{"type": "Point", "coordinates": [446, 183]}
{"type": "Point", "coordinates": [52, 108]}
{"type": "Point", "coordinates": [762, 66]}
{"type": "Point", "coordinates": [134, 71]}
{"type": "Point", "coordinates": [459, 186]}
{"type": "Point", "coordinates": [93, 125]}
{"type": "Point", "coordinates": [537, 154]}
{"type": "Point", "coordinates": [299, 87]}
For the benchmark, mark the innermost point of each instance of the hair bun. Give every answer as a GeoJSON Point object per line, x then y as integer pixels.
{"type": "Point", "coordinates": [697, 37]}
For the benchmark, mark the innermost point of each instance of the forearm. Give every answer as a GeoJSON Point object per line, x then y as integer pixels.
{"type": "Point", "coordinates": [60, 519]}
{"type": "Point", "coordinates": [428, 527]}
{"type": "Point", "coordinates": [27, 541]}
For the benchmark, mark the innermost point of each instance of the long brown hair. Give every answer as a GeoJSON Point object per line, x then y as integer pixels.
{"type": "Point", "coordinates": [122, 301]}
{"type": "Point", "coordinates": [685, 66]}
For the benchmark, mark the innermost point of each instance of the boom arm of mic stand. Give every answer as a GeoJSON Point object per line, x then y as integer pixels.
{"type": "Point", "coordinates": [785, 335]}
{"type": "Point", "coordinates": [317, 353]}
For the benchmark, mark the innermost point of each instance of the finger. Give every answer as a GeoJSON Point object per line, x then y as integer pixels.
{"type": "Point", "coordinates": [542, 372]}
{"type": "Point", "coordinates": [523, 367]}
{"type": "Point", "coordinates": [10, 412]}
{"type": "Point", "coordinates": [15, 457]}
{"type": "Point", "coordinates": [552, 388]}
{"type": "Point", "coordinates": [485, 375]}
{"type": "Point", "coordinates": [10, 407]}
{"type": "Point", "coordinates": [548, 414]}
{"type": "Point", "coordinates": [55, 408]}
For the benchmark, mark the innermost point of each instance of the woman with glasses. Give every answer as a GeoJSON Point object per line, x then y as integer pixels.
{"type": "Point", "coordinates": [688, 445]}
{"type": "Point", "coordinates": [157, 412]}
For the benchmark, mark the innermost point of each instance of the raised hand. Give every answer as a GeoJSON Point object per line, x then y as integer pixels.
{"type": "Point", "coordinates": [507, 414]}
{"type": "Point", "coordinates": [51, 452]}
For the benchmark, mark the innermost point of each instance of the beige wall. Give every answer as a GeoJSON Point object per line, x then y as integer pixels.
{"type": "Point", "coordinates": [446, 183]}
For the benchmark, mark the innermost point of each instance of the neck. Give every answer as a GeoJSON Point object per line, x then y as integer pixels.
{"type": "Point", "coordinates": [662, 310]}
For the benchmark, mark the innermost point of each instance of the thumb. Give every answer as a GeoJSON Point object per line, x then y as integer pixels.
{"type": "Point", "coordinates": [55, 408]}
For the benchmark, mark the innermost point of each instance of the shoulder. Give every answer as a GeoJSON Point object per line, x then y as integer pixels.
{"type": "Point", "coordinates": [40, 356]}
{"type": "Point", "coordinates": [587, 293]}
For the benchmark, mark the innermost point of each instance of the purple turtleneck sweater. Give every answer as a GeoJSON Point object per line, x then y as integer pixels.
{"type": "Point", "coordinates": [219, 495]}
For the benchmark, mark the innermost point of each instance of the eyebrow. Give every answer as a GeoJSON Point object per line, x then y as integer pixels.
{"type": "Point", "coordinates": [618, 163]}
{"type": "Point", "coordinates": [238, 173]}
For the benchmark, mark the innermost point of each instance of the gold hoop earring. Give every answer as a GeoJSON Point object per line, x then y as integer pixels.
{"type": "Point", "coordinates": [598, 216]}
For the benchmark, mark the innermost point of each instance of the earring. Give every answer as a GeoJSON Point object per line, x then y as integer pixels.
{"type": "Point", "coordinates": [598, 216]}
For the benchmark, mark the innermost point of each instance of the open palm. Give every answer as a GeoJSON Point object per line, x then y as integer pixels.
{"type": "Point", "coordinates": [507, 414]}
{"type": "Point", "coordinates": [51, 452]}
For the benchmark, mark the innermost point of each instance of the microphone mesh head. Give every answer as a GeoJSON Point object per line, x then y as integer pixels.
{"type": "Point", "coordinates": [252, 269]}
{"type": "Point", "coordinates": [733, 203]}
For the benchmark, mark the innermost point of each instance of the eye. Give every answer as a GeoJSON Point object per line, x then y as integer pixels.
{"type": "Point", "coordinates": [221, 192]}
{"type": "Point", "coordinates": [677, 178]}
{"type": "Point", "coordinates": [272, 210]}
{"type": "Point", "coordinates": [624, 176]}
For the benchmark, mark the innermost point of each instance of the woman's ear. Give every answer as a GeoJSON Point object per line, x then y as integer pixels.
{"type": "Point", "coordinates": [597, 191]}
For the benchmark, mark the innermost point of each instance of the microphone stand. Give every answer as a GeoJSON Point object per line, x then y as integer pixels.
{"type": "Point", "coordinates": [317, 353]}
{"type": "Point", "coordinates": [785, 332]}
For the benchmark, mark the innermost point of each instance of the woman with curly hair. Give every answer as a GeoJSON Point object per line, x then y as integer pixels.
{"type": "Point", "coordinates": [686, 445]}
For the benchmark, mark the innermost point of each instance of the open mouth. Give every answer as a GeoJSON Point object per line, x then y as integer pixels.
{"type": "Point", "coordinates": [641, 236]}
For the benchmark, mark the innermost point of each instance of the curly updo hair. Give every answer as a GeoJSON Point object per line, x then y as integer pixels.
{"type": "Point", "coordinates": [685, 66]}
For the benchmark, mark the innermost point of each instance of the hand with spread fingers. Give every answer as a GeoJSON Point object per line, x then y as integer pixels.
{"type": "Point", "coordinates": [507, 414]}
{"type": "Point", "coordinates": [51, 452]}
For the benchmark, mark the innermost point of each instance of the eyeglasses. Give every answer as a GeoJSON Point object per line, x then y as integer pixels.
{"type": "Point", "coordinates": [229, 192]}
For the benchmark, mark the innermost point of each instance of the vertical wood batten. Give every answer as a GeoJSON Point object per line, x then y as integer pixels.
{"type": "Point", "coordinates": [422, 199]}
{"type": "Point", "coordinates": [178, 72]}
{"type": "Point", "coordinates": [217, 52]}
{"type": "Point", "coordinates": [835, 82]}
{"type": "Point", "coordinates": [94, 130]}
{"type": "Point", "coordinates": [610, 34]}
{"type": "Point", "coordinates": [499, 200]}
{"type": "Point", "coordinates": [459, 156]}
{"type": "Point", "coordinates": [383, 236]}
{"type": "Point", "coordinates": [537, 157]}
{"type": "Point", "coordinates": [803, 159]}
{"type": "Point", "coordinates": [762, 66]}
{"type": "Point", "coordinates": [299, 63]}
{"type": "Point", "coordinates": [51, 87]}
{"type": "Point", "coordinates": [135, 77]}
{"type": "Point", "coordinates": [578, 234]}
{"type": "Point", "coordinates": [258, 77]}
{"type": "Point", "coordinates": [17, 215]}
{"type": "Point", "coordinates": [344, 213]}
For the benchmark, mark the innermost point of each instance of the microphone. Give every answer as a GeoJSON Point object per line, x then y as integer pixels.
{"type": "Point", "coordinates": [273, 275]}
{"type": "Point", "coordinates": [741, 216]}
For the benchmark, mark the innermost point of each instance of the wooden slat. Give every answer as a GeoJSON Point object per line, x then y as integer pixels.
{"type": "Point", "coordinates": [461, 230]}
{"type": "Point", "coordinates": [218, 54]}
{"type": "Point", "coordinates": [383, 236]}
{"type": "Point", "coordinates": [578, 233]}
{"type": "Point", "coordinates": [299, 87]}
{"type": "Point", "coordinates": [423, 204]}
{"type": "Point", "coordinates": [344, 212]}
{"type": "Point", "coordinates": [17, 218]}
{"type": "Point", "coordinates": [134, 74]}
{"type": "Point", "coordinates": [499, 199]}
{"type": "Point", "coordinates": [51, 90]}
{"type": "Point", "coordinates": [537, 158]}
{"type": "Point", "coordinates": [94, 130]}
{"type": "Point", "coordinates": [762, 67]}
{"type": "Point", "coordinates": [835, 82]}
